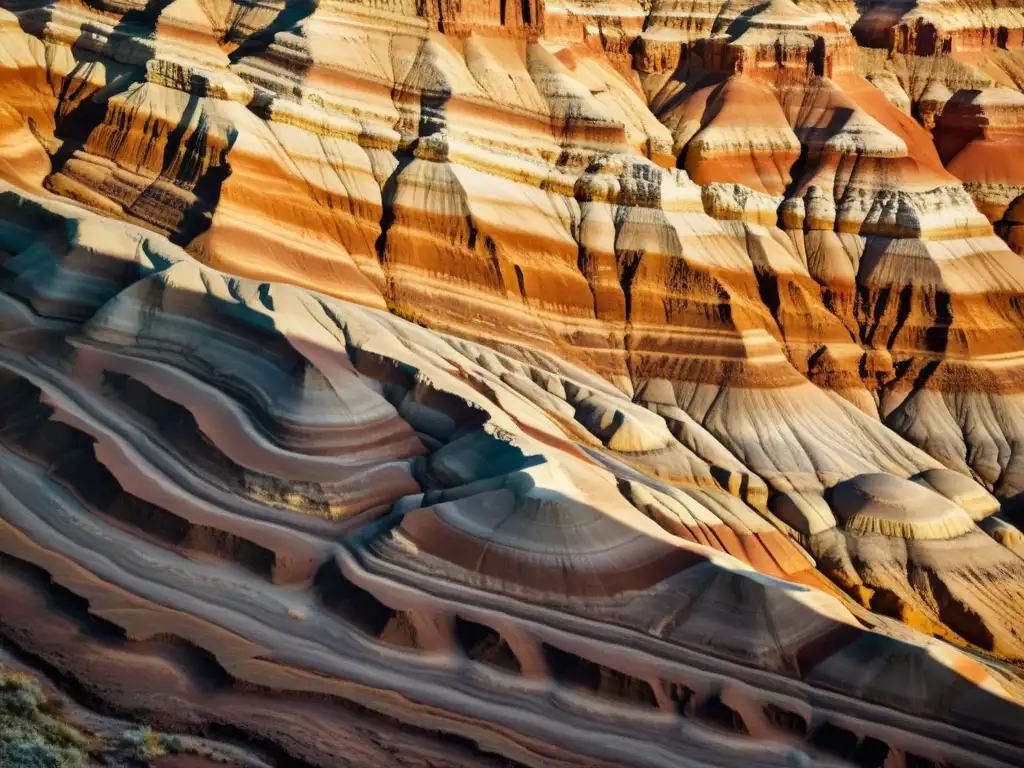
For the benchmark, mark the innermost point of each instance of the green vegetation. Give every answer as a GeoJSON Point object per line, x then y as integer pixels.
{"type": "Point", "coordinates": [142, 743]}
{"type": "Point", "coordinates": [34, 734]}
{"type": "Point", "coordinates": [31, 733]}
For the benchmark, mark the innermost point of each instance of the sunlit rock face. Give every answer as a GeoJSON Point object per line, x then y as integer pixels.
{"type": "Point", "coordinates": [592, 384]}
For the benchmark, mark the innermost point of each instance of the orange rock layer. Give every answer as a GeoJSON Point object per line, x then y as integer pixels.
{"type": "Point", "coordinates": [477, 363]}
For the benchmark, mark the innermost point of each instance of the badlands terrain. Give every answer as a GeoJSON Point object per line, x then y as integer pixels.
{"type": "Point", "coordinates": [569, 383]}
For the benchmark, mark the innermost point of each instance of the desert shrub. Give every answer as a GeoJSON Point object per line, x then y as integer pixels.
{"type": "Point", "coordinates": [19, 701]}
{"type": "Point", "coordinates": [32, 734]}
{"type": "Point", "coordinates": [173, 744]}
{"type": "Point", "coordinates": [30, 737]}
{"type": "Point", "coordinates": [28, 754]}
{"type": "Point", "coordinates": [142, 743]}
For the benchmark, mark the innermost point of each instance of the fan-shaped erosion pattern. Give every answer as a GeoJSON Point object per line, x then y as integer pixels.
{"type": "Point", "coordinates": [554, 384]}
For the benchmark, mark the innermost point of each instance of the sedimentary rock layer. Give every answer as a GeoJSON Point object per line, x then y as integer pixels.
{"type": "Point", "coordinates": [219, 482]}
{"type": "Point", "coordinates": [592, 384]}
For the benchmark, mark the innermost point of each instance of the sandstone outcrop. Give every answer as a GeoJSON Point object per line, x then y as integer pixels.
{"type": "Point", "coordinates": [594, 383]}
{"type": "Point", "coordinates": [293, 487]}
{"type": "Point", "coordinates": [957, 27]}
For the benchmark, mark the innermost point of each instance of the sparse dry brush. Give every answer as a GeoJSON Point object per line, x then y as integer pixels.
{"type": "Point", "coordinates": [34, 734]}
{"type": "Point", "coordinates": [31, 732]}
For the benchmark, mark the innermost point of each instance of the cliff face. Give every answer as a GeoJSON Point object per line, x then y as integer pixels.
{"type": "Point", "coordinates": [481, 363]}
{"type": "Point", "coordinates": [930, 27]}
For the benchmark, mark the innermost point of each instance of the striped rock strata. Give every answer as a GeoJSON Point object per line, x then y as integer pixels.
{"type": "Point", "coordinates": [471, 366]}
{"type": "Point", "coordinates": [291, 512]}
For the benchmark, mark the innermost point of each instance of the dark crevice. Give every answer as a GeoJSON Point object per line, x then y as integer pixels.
{"type": "Point", "coordinates": [926, 372]}
{"type": "Point", "coordinates": [817, 57]}
{"type": "Point", "coordinates": [177, 135]}
{"type": "Point", "coordinates": [198, 216]}
{"type": "Point", "coordinates": [768, 290]}
{"type": "Point", "coordinates": [796, 174]}
{"type": "Point", "coordinates": [388, 196]}
{"type": "Point", "coordinates": [629, 263]}
{"type": "Point", "coordinates": [170, 421]}
{"type": "Point", "coordinates": [432, 120]}
{"type": "Point", "coordinates": [433, 111]}
{"type": "Point", "coordinates": [584, 263]}
{"type": "Point", "coordinates": [141, 22]}
{"type": "Point", "coordinates": [175, 424]}
{"type": "Point", "coordinates": [785, 720]}
{"type": "Point", "coordinates": [576, 672]}
{"type": "Point", "coordinates": [863, 303]}
{"type": "Point", "coordinates": [871, 753]}
{"type": "Point", "coordinates": [903, 309]}
{"type": "Point", "coordinates": [205, 676]}
{"type": "Point", "coordinates": [60, 600]}
{"type": "Point", "coordinates": [91, 481]}
{"type": "Point", "coordinates": [937, 335]}
{"type": "Point", "coordinates": [957, 616]}
{"type": "Point", "coordinates": [291, 15]}
{"type": "Point", "coordinates": [208, 674]}
{"type": "Point", "coordinates": [483, 644]}
{"type": "Point", "coordinates": [69, 456]}
{"type": "Point", "coordinates": [361, 609]}
{"type": "Point", "coordinates": [520, 281]}
{"type": "Point", "coordinates": [836, 740]}
{"type": "Point", "coordinates": [716, 711]}
{"type": "Point", "coordinates": [75, 127]}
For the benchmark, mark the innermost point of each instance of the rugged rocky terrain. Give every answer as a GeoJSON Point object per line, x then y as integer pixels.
{"type": "Point", "coordinates": [565, 384]}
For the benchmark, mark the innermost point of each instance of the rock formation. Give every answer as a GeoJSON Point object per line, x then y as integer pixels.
{"type": "Point", "coordinates": [588, 383]}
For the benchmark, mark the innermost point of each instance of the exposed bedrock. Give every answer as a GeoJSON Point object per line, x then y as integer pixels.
{"type": "Point", "coordinates": [252, 495]}
{"type": "Point", "coordinates": [632, 209]}
{"type": "Point", "coordinates": [568, 384]}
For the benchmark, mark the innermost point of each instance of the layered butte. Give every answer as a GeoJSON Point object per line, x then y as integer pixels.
{"type": "Point", "coordinates": [576, 383]}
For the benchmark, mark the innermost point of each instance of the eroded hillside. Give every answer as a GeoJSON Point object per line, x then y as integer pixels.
{"type": "Point", "coordinates": [619, 382]}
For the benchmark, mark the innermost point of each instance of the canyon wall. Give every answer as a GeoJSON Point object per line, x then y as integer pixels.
{"type": "Point", "coordinates": [623, 382]}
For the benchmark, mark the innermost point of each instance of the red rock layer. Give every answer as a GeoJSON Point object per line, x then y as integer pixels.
{"type": "Point", "coordinates": [666, 281]}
